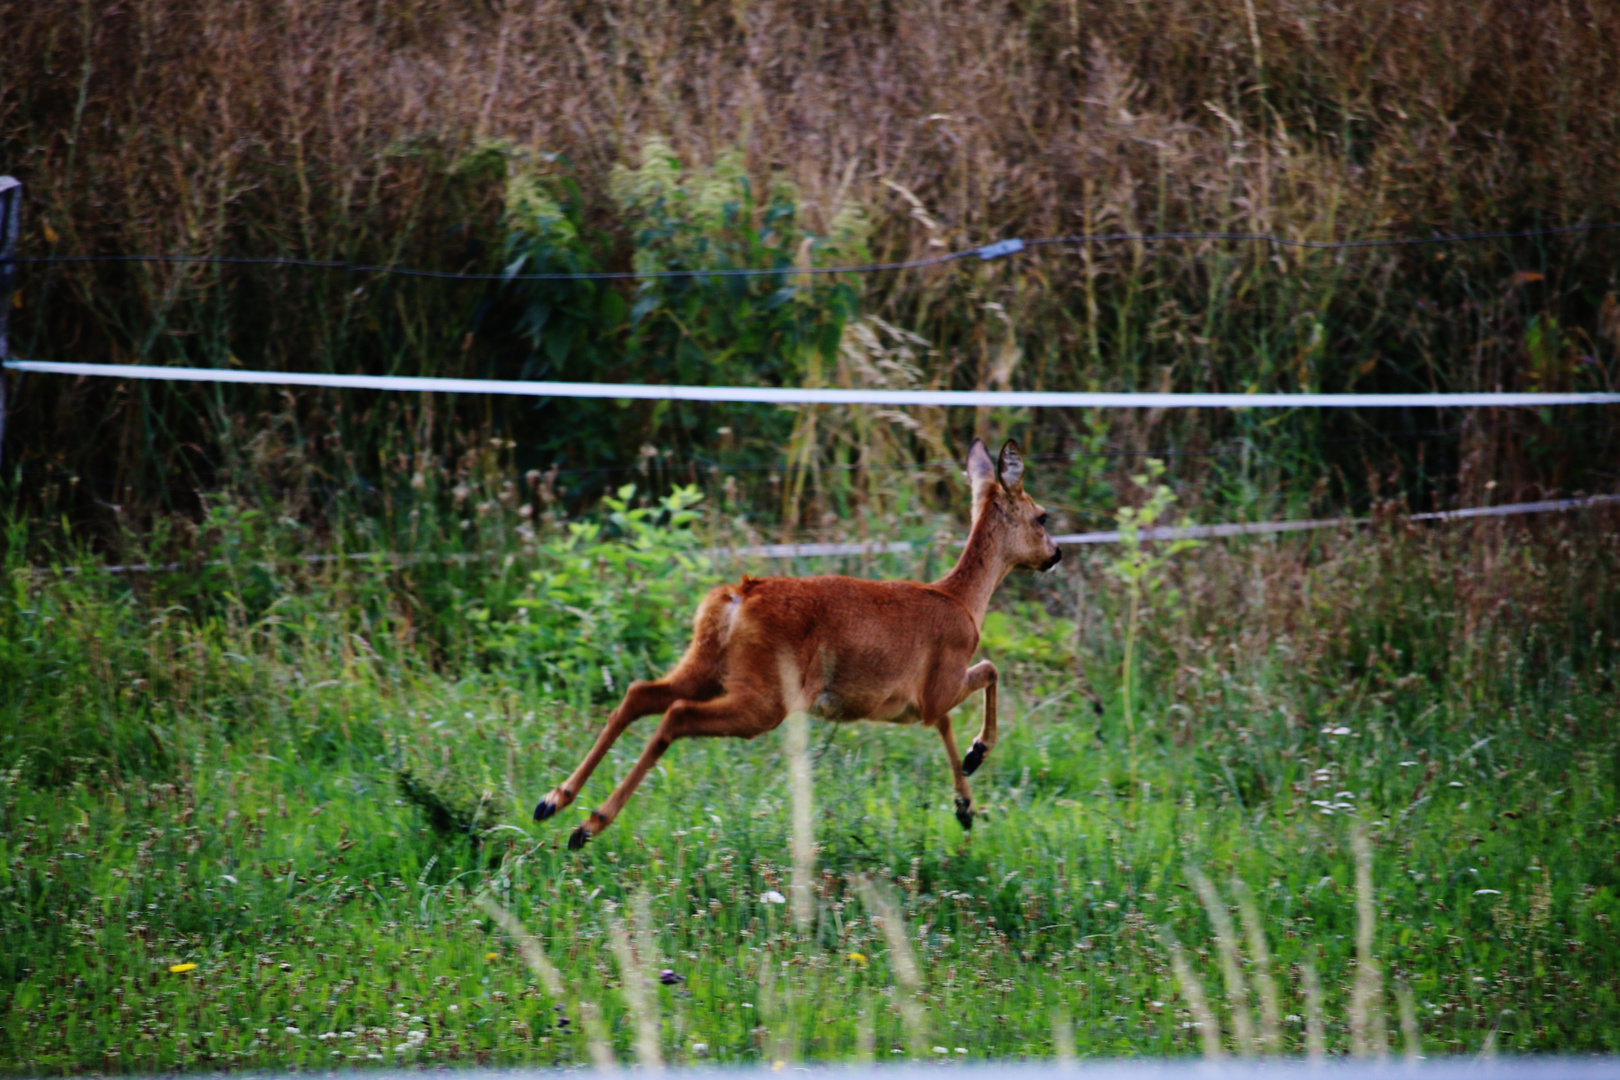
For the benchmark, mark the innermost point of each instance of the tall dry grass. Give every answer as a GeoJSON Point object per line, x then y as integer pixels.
{"type": "Point", "coordinates": [188, 125]}
{"type": "Point", "coordinates": [331, 130]}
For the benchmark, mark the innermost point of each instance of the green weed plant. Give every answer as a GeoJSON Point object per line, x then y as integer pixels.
{"type": "Point", "coordinates": [600, 608]}
{"type": "Point", "coordinates": [1140, 566]}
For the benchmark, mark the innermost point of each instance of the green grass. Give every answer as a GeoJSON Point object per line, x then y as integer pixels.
{"type": "Point", "coordinates": [218, 784]}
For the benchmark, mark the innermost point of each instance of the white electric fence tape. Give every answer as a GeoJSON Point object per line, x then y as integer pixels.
{"type": "Point", "coordinates": [783, 395]}
{"type": "Point", "coordinates": [829, 396]}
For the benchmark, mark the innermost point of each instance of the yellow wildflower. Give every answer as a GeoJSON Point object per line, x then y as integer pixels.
{"type": "Point", "coordinates": [858, 958]}
{"type": "Point", "coordinates": [181, 969]}
{"type": "Point", "coordinates": [491, 955]}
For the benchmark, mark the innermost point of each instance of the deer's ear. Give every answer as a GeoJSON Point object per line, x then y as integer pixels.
{"type": "Point", "coordinates": [1010, 468]}
{"type": "Point", "coordinates": [980, 469]}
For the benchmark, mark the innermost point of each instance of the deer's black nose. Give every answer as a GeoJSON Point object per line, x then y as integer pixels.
{"type": "Point", "coordinates": [1057, 557]}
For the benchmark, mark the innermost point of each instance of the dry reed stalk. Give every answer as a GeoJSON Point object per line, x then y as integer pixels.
{"type": "Point", "coordinates": [872, 354]}
{"type": "Point", "coordinates": [804, 850]}
{"type": "Point", "coordinates": [597, 1037]}
{"type": "Point", "coordinates": [1062, 1039]}
{"type": "Point", "coordinates": [643, 1006]}
{"type": "Point", "coordinates": [534, 955]}
{"type": "Point", "coordinates": [908, 979]}
{"type": "Point", "coordinates": [1367, 1038]}
{"type": "Point", "coordinates": [1197, 1003]}
{"type": "Point", "coordinates": [1378, 1033]}
{"type": "Point", "coordinates": [1270, 1004]}
{"type": "Point", "coordinates": [1315, 1028]}
{"type": "Point", "coordinates": [1237, 989]}
{"type": "Point", "coordinates": [864, 1037]}
{"type": "Point", "coordinates": [1409, 1025]}
{"type": "Point", "coordinates": [776, 1011]}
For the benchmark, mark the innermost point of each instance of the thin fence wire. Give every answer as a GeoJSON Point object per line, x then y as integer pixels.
{"type": "Point", "coordinates": [665, 466]}
{"type": "Point", "coordinates": [868, 548]}
{"type": "Point", "coordinates": [664, 470]}
{"type": "Point", "coordinates": [984, 252]}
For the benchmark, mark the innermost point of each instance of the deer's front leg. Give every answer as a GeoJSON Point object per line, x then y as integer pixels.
{"type": "Point", "coordinates": [981, 676]}
{"type": "Point", "coordinates": [964, 794]}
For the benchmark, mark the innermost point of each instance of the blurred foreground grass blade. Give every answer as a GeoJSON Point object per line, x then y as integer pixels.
{"type": "Point", "coordinates": [1315, 1021]}
{"type": "Point", "coordinates": [1237, 989]}
{"type": "Point", "coordinates": [634, 978]}
{"type": "Point", "coordinates": [801, 784]}
{"type": "Point", "coordinates": [1254, 932]}
{"type": "Point", "coordinates": [534, 955]}
{"type": "Point", "coordinates": [902, 963]}
{"type": "Point", "coordinates": [1410, 1034]}
{"type": "Point", "coordinates": [1209, 1029]}
{"type": "Point", "coordinates": [1062, 1039]}
{"type": "Point", "coordinates": [1367, 1034]}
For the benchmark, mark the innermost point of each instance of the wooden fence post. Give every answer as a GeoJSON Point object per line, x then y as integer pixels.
{"type": "Point", "coordinates": [10, 226]}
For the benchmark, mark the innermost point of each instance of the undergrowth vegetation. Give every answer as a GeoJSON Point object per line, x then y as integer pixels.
{"type": "Point", "coordinates": [251, 808]}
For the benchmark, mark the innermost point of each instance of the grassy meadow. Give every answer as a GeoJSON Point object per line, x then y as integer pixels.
{"type": "Point", "coordinates": [248, 812]}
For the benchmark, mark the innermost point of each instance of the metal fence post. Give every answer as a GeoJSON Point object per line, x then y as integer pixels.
{"type": "Point", "coordinates": [10, 226]}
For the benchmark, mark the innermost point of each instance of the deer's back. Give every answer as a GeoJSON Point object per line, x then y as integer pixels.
{"type": "Point", "coordinates": [839, 647]}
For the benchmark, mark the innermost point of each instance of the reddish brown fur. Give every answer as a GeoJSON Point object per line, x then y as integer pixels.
{"type": "Point", "coordinates": [838, 648]}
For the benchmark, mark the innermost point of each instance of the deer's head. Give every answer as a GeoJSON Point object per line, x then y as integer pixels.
{"type": "Point", "coordinates": [1018, 521]}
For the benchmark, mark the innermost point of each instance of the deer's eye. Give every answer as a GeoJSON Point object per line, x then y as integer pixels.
{"type": "Point", "coordinates": [1041, 521]}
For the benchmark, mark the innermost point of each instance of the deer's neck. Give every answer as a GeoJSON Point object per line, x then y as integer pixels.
{"type": "Point", "coordinates": [979, 570]}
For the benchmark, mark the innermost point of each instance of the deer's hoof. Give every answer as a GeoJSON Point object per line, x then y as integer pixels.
{"type": "Point", "coordinates": [975, 757]}
{"type": "Point", "coordinates": [964, 812]}
{"type": "Point", "coordinates": [578, 838]}
{"type": "Point", "coordinates": [548, 806]}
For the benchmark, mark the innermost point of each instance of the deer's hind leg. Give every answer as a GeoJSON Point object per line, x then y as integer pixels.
{"type": "Point", "coordinates": [695, 678]}
{"type": "Point", "coordinates": [642, 699]}
{"type": "Point", "coordinates": [743, 715]}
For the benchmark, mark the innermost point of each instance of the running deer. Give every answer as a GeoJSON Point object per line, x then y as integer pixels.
{"type": "Point", "coordinates": [838, 648]}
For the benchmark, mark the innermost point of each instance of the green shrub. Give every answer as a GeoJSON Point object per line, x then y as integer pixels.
{"type": "Point", "coordinates": [609, 601]}
{"type": "Point", "coordinates": [774, 328]}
